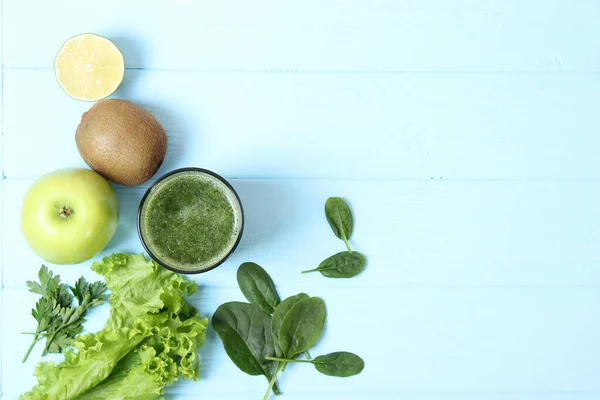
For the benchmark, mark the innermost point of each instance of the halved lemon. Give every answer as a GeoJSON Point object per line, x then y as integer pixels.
{"type": "Point", "coordinates": [89, 67]}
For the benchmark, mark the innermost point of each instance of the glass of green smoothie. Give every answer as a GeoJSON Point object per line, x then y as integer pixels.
{"type": "Point", "coordinates": [190, 220]}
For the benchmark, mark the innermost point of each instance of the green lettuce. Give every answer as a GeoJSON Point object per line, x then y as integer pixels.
{"type": "Point", "coordinates": [149, 341]}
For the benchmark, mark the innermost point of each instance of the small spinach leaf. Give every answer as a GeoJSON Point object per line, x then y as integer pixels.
{"type": "Point", "coordinates": [279, 315]}
{"type": "Point", "coordinates": [302, 326]}
{"type": "Point", "coordinates": [245, 331]}
{"type": "Point", "coordinates": [258, 287]}
{"type": "Point", "coordinates": [340, 363]}
{"type": "Point", "coordinates": [341, 265]}
{"type": "Point", "coordinates": [339, 217]}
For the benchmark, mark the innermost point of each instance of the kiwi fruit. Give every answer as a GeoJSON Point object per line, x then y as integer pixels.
{"type": "Point", "coordinates": [121, 141]}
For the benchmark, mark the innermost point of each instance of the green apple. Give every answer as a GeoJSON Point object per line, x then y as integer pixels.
{"type": "Point", "coordinates": [69, 215]}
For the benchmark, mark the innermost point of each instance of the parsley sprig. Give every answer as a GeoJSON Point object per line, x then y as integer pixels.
{"type": "Point", "coordinates": [59, 321]}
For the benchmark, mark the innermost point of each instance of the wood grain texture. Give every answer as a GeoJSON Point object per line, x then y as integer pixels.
{"type": "Point", "coordinates": [366, 126]}
{"type": "Point", "coordinates": [475, 292]}
{"type": "Point", "coordinates": [458, 234]}
{"type": "Point", "coordinates": [464, 135]}
{"type": "Point", "coordinates": [1, 193]}
{"type": "Point", "coordinates": [339, 35]}
{"type": "Point", "coordinates": [427, 341]}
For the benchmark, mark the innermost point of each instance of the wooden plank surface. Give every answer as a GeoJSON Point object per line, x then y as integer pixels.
{"type": "Point", "coordinates": [415, 233]}
{"type": "Point", "coordinates": [338, 35]}
{"type": "Point", "coordinates": [423, 341]}
{"type": "Point", "coordinates": [464, 134]}
{"type": "Point", "coordinates": [365, 126]}
{"type": "Point", "coordinates": [473, 294]}
{"type": "Point", "coordinates": [1, 194]}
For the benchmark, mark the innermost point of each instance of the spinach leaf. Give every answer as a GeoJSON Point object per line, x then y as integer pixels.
{"type": "Point", "coordinates": [279, 315]}
{"type": "Point", "coordinates": [261, 344]}
{"type": "Point", "coordinates": [302, 326]}
{"type": "Point", "coordinates": [245, 331]}
{"type": "Point", "coordinates": [340, 363]}
{"type": "Point", "coordinates": [339, 217]}
{"type": "Point", "coordinates": [258, 287]}
{"type": "Point", "coordinates": [341, 265]}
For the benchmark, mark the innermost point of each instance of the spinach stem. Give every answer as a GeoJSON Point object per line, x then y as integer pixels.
{"type": "Point", "coordinates": [307, 355]}
{"type": "Point", "coordinates": [287, 361]}
{"type": "Point", "coordinates": [276, 389]}
{"type": "Point", "coordinates": [348, 245]}
{"type": "Point", "coordinates": [310, 270]}
{"type": "Point", "coordinates": [272, 382]}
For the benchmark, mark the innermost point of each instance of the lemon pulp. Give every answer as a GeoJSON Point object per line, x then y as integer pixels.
{"type": "Point", "coordinates": [89, 67]}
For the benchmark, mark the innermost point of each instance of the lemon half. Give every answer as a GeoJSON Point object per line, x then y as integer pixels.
{"type": "Point", "coordinates": [89, 67]}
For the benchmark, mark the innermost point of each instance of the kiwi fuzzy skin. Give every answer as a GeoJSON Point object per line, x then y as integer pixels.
{"type": "Point", "coordinates": [121, 141]}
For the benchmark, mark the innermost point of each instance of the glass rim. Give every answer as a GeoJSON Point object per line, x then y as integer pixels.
{"type": "Point", "coordinates": [162, 178]}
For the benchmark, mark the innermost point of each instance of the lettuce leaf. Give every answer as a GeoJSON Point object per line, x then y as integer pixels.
{"type": "Point", "coordinates": [130, 379]}
{"type": "Point", "coordinates": [150, 340]}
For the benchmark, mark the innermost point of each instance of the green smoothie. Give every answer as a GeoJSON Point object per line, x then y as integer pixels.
{"type": "Point", "coordinates": [190, 221]}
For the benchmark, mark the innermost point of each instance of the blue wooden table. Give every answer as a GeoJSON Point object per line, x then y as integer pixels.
{"type": "Point", "coordinates": [464, 133]}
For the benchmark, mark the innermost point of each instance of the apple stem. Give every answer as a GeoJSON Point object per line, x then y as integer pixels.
{"type": "Point", "coordinates": [65, 211]}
